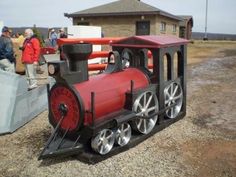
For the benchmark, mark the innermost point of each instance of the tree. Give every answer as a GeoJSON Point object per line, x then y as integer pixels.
{"type": "Point", "coordinates": [38, 36]}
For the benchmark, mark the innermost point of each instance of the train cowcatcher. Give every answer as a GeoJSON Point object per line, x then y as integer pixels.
{"type": "Point", "coordinates": [95, 117]}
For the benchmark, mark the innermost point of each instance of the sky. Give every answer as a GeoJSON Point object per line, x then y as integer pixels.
{"type": "Point", "coordinates": [50, 13]}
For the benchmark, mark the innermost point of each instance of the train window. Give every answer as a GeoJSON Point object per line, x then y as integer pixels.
{"type": "Point", "coordinates": [125, 60]}
{"type": "Point", "coordinates": [179, 66]}
{"type": "Point", "coordinates": [114, 62]}
{"type": "Point", "coordinates": [112, 59]}
{"type": "Point", "coordinates": [176, 66]}
{"type": "Point", "coordinates": [142, 59]}
{"type": "Point", "coordinates": [167, 67]}
{"type": "Point", "coordinates": [150, 61]}
{"type": "Point", "coordinates": [126, 57]}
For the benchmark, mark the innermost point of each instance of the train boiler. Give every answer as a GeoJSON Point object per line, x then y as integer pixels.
{"type": "Point", "coordinates": [95, 117]}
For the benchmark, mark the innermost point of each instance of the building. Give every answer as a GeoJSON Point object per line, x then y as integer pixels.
{"type": "Point", "coordinates": [127, 18]}
{"type": "Point", "coordinates": [1, 26]}
{"type": "Point", "coordinates": [185, 27]}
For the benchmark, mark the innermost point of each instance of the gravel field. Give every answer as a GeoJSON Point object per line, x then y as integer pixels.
{"type": "Point", "coordinates": [202, 144]}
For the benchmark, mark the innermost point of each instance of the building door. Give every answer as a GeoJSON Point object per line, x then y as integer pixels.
{"type": "Point", "coordinates": [143, 28]}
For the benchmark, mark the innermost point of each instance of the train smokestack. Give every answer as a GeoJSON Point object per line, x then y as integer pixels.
{"type": "Point", "coordinates": [77, 55]}
{"type": "Point", "coordinates": [74, 69]}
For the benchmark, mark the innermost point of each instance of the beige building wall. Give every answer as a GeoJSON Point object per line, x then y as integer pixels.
{"type": "Point", "coordinates": [126, 26]}
{"type": "Point", "coordinates": [169, 26]}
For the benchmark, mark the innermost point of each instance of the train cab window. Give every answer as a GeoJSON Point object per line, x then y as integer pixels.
{"type": "Point", "coordinates": [176, 65]}
{"type": "Point", "coordinates": [114, 62]}
{"type": "Point", "coordinates": [144, 60]}
{"type": "Point", "coordinates": [167, 67]}
{"type": "Point", "coordinates": [180, 64]}
{"type": "Point", "coordinates": [112, 59]}
{"type": "Point", "coordinates": [127, 58]}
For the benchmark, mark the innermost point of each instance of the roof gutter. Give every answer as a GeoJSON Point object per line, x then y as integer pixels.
{"type": "Point", "coordinates": [122, 14]}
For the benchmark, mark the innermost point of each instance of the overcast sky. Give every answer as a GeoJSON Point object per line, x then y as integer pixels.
{"type": "Point", "coordinates": [50, 13]}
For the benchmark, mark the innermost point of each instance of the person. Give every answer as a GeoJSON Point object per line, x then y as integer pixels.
{"type": "Point", "coordinates": [7, 58]}
{"type": "Point", "coordinates": [62, 33]}
{"type": "Point", "coordinates": [30, 57]}
{"type": "Point", "coordinates": [20, 38]}
{"type": "Point", "coordinates": [53, 37]}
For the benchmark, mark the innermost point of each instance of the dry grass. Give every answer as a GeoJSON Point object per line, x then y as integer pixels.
{"type": "Point", "coordinates": [202, 50]}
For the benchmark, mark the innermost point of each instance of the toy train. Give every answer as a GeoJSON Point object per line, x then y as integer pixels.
{"type": "Point", "coordinates": [97, 116]}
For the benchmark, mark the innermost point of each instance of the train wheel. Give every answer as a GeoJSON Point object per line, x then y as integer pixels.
{"type": "Point", "coordinates": [173, 94]}
{"type": "Point", "coordinates": [123, 134]}
{"type": "Point", "coordinates": [145, 105]}
{"type": "Point", "coordinates": [103, 141]}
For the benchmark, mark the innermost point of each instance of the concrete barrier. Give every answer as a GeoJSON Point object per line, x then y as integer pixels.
{"type": "Point", "coordinates": [18, 105]}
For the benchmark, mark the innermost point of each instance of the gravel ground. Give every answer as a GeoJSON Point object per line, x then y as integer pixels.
{"type": "Point", "coordinates": [202, 144]}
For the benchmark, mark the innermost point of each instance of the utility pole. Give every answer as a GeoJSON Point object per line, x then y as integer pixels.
{"type": "Point", "coordinates": [205, 37]}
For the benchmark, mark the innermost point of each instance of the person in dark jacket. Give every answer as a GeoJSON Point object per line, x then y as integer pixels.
{"type": "Point", "coordinates": [62, 33]}
{"type": "Point", "coordinates": [30, 56]}
{"type": "Point", "coordinates": [7, 58]}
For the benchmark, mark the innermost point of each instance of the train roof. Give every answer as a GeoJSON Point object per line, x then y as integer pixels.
{"type": "Point", "coordinates": [134, 41]}
{"type": "Point", "coordinates": [150, 41]}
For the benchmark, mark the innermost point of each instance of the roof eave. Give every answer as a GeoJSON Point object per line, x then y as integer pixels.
{"type": "Point", "coordinates": [111, 14]}
{"type": "Point", "coordinates": [122, 14]}
{"type": "Point", "coordinates": [165, 14]}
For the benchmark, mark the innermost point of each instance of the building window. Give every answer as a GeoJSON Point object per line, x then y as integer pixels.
{"type": "Point", "coordinates": [163, 26]}
{"type": "Point", "coordinates": [174, 28]}
{"type": "Point", "coordinates": [83, 23]}
{"type": "Point", "coordinates": [143, 28]}
{"type": "Point", "coordinates": [182, 32]}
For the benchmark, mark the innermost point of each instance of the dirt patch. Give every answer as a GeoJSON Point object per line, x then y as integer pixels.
{"type": "Point", "coordinates": [214, 84]}
{"type": "Point", "coordinates": [229, 52]}
{"type": "Point", "coordinates": [211, 158]}
{"type": "Point", "coordinates": [212, 96]}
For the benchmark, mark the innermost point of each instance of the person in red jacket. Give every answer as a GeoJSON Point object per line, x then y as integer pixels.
{"type": "Point", "coordinates": [30, 57]}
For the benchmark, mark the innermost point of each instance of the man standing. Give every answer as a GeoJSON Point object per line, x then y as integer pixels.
{"type": "Point", "coordinates": [7, 58]}
{"type": "Point", "coordinates": [30, 57]}
{"type": "Point", "coordinates": [53, 37]}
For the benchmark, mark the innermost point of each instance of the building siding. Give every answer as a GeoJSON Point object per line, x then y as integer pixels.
{"type": "Point", "coordinates": [169, 26]}
{"type": "Point", "coordinates": [124, 26]}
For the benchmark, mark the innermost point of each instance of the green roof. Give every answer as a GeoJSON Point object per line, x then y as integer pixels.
{"type": "Point", "coordinates": [121, 8]}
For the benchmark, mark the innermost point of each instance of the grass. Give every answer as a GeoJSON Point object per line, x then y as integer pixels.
{"type": "Point", "coordinates": [202, 50]}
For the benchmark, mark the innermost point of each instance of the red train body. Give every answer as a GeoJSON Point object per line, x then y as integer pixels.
{"type": "Point", "coordinates": [110, 97]}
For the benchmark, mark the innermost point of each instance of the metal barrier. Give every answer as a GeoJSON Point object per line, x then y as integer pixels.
{"type": "Point", "coordinates": [18, 105]}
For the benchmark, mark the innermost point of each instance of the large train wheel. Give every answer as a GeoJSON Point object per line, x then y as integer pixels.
{"type": "Point", "coordinates": [173, 94]}
{"type": "Point", "coordinates": [103, 141]}
{"type": "Point", "coordinates": [123, 134]}
{"type": "Point", "coordinates": [145, 105]}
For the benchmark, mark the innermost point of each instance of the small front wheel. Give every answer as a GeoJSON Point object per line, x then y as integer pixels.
{"type": "Point", "coordinates": [103, 141]}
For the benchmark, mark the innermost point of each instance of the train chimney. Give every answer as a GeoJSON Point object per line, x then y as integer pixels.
{"type": "Point", "coordinates": [77, 57]}
{"type": "Point", "coordinates": [74, 69]}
